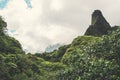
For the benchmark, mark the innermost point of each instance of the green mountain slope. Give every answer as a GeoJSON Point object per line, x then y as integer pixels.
{"type": "Point", "coordinates": [7, 43]}
{"type": "Point", "coordinates": [94, 56]}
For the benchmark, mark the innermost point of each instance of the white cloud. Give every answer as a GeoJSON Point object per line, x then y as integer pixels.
{"type": "Point", "coordinates": [56, 4]}
{"type": "Point", "coordinates": [54, 21]}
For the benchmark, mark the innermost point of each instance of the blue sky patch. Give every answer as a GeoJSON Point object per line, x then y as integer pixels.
{"type": "Point", "coordinates": [13, 31]}
{"type": "Point", "coordinates": [28, 3]}
{"type": "Point", "coordinates": [3, 3]}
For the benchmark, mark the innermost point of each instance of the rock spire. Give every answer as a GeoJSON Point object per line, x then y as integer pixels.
{"type": "Point", "coordinates": [99, 26]}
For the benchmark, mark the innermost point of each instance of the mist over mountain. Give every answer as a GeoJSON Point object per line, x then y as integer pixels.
{"type": "Point", "coordinates": [53, 47]}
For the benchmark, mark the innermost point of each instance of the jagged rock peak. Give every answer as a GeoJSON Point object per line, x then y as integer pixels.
{"type": "Point", "coordinates": [99, 26]}
{"type": "Point", "coordinates": [96, 14]}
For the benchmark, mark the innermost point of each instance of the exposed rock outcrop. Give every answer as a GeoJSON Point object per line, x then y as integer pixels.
{"type": "Point", "coordinates": [99, 26]}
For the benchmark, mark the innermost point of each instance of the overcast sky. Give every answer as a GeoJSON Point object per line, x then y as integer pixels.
{"type": "Point", "coordinates": [47, 22]}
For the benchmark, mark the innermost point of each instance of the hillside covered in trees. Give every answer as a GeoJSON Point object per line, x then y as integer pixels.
{"type": "Point", "coordinates": [93, 56]}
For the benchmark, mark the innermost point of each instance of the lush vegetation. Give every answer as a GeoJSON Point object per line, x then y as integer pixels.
{"type": "Point", "coordinates": [86, 58]}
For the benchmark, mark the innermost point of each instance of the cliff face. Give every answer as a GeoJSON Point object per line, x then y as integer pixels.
{"type": "Point", "coordinates": [99, 26]}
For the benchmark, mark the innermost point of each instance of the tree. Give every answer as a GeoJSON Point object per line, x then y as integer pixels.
{"type": "Point", "coordinates": [3, 26]}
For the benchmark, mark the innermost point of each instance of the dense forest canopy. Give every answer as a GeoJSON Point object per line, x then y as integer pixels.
{"type": "Point", "coordinates": [93, 56]}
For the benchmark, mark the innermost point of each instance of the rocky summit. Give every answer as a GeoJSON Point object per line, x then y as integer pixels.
{"type": "Point", "coordinates": [99, 26]}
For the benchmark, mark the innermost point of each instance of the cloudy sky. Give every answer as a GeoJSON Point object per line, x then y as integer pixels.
{"type": "Point", "coordinates": [40, 23]}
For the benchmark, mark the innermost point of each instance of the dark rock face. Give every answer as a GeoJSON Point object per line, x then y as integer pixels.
{"type": "Point", "coordinates": [99, 26]}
